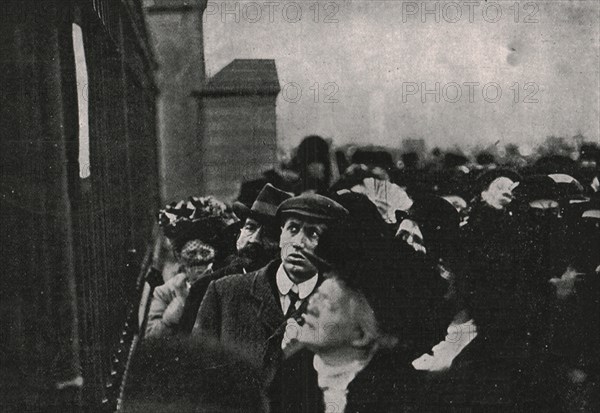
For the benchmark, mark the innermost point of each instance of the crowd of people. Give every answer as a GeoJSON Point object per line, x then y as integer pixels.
{"type": "Point", "coordinates": [386, 287]}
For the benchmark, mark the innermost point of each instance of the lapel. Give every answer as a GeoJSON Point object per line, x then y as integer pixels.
{"type": "Point", "coordinates": [267, 307]}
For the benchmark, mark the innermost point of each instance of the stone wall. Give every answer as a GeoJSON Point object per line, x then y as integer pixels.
{"type": "Point", "coordinates": [175, 27]}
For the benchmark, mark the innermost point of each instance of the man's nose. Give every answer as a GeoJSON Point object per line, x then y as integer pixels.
{"type": "Point", "coordinates": [299, 240]}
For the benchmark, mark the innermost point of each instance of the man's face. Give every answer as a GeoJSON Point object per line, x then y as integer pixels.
{"type": "Point", "coordinates": [298, 235]}
{"type": "Point", "coordinates": [257, 242]}
{"type": "Point", "coordinates": [329, 322]}
{"type": "Point", "coordinates": [196, 257]}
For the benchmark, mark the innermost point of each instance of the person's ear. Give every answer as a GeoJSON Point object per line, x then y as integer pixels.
{"type": "Point", "coordinates": [361, 338]}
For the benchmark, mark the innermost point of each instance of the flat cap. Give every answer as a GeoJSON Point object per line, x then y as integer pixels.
{"type": "Point", "coordinates": [312, 206]}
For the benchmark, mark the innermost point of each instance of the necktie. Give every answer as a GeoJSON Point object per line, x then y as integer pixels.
{"type": "Point", "coordinates": [293, 295]}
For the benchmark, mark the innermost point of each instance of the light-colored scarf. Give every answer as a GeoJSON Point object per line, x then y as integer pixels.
{"type": "Point", "coordinates": [334, 381]}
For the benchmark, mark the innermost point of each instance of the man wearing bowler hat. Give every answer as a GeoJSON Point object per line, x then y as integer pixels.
{"type": "Point", "coordinates": [257, 244]}
{"type": "Point", "coordinates": [247, 312]}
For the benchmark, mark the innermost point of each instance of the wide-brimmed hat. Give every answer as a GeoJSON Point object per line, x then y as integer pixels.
{"type": "Point", "coordinates": [360, 233]}
{"type": "Point", "coordinates": [373, 158]}
{"type": "Point", "coordinates": [359, 252]}
{"type": "Point", "coordinates": [312, 206]}
{"type": "Point", "coordinates": [568, 187]}
{"type": "Point", "coordinates": [439, 222]}
{"type": "Point", "coordinates": [536, 187]}
{"type": "Point", "coordinates": [202, 218]}
{"type": "Point", "coordinates": [264, 208]}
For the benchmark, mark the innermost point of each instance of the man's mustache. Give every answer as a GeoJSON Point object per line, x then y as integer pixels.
{"type": "Point", "coordinates": [255, 250]}
{"type": "Point", "coordinates": [256, 256]}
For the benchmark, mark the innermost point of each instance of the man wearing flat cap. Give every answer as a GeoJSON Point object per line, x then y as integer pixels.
{"type": "Point", "coordinates": [257, 244]}
{"type": "Point", "coordinates": [351, 328]}
{"type": "Point", "coordinates": [247, 312]}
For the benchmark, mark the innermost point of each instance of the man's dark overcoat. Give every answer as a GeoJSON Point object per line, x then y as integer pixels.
{"type": "Point", "coordinates": [197, 292]}
{"type": "Point", "coordinates": [243, 312]}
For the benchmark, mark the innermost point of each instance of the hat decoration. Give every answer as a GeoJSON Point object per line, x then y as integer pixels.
{"type": "Point", "coordinates": [387, 197]}
{"type": "Point", "coordinates": [197, 218]}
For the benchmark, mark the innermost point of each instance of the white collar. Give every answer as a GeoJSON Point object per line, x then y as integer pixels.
{"type": "Point", "coordinates": [284, 284]}
{"type": "Point", "coordinates": [337, 377]}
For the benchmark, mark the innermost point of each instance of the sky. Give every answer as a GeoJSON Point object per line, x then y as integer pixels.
{"type": "Point", "coordinates": [456, 74]}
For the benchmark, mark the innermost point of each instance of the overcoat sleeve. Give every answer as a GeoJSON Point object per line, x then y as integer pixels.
{"type": "Point", "coordinates": [163, 296]}
{"type": "Point", "coordinates": [208, 321]}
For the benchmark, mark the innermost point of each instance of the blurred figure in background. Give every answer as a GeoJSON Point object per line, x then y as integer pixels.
{"type": "Point", "coordinates": [485, 161]}
{"type": "Point", "coordinates": [576, 343]}
{"type": "Point", "coordinates": [313, 163]}
{"type": "Point", "coordinates": [492, 193]}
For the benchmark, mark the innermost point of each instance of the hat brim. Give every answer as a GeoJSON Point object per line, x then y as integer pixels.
{"type": "Point", "coordinates": [240, 210]}
{"type": "Point", "coordinates": [243, 213]}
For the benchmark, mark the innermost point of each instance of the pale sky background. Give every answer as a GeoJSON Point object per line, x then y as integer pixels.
{"type": "Point", "coordinates": [376, 47]}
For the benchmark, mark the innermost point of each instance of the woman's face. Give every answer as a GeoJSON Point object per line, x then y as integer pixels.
{"type": "Point", "coordinates": [499, 193]}
{"type": "Point", "coordinates": [329, 322]}
{"type": "Point", "coordinates": [196, 257]}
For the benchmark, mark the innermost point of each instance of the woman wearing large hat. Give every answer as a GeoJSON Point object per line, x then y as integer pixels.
{"type": "Point", "coordinates": [194, 228]}
{"type": "Point", "coordinates": [351, 328]}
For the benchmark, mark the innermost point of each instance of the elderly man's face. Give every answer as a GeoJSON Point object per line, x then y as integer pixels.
{"type": "Point", "coordinates": [257, 242]}
{"type": "Point", "coordinates": [329, 322]}
{"type": "Point", "coordinates": [298, 236]}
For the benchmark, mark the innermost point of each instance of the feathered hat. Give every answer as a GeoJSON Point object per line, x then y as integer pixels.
{"type": "Point", "coordinates": [202, 218]}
